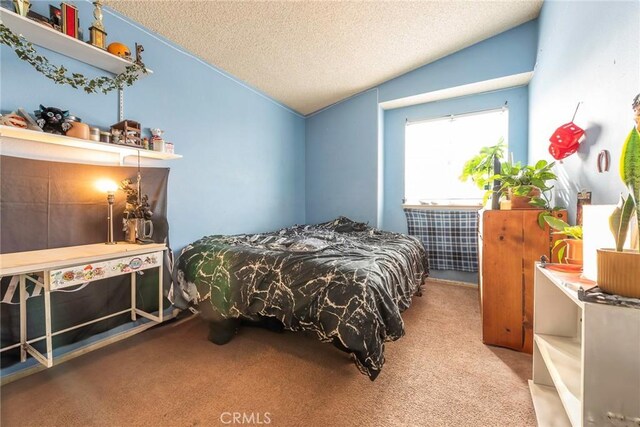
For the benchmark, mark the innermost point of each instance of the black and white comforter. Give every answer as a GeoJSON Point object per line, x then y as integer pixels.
{"type": "Point", "coordinates": [343, 280]}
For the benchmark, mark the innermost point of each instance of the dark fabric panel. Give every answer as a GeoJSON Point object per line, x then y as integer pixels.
{"type": "Point", "coordinates": [450, 237]}
{"type": "Point", "coordinates": [52, 204]}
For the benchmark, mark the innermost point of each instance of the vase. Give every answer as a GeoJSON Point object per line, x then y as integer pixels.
{"type": "Point", "coordinates": [136, 229]}
{"type": "Point", "coordinates": [619, 272]}
{"type": "Point", "coordinates": [522, 202]}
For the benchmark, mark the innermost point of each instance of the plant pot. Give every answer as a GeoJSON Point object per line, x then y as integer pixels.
{"type": "Point", "coordinates": [574, 251]}
{"type": "Point", "coordinates": [522, 202]}
{"type": "Point", "coordinates": [619, 272]}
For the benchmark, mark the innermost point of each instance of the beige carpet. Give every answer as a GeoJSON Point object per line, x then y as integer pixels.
{"type": "Point", "coordinates": [439, 374]}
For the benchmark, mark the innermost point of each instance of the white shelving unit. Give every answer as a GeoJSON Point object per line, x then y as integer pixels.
{"type": "Point", "coordinates": [56, 41]}
{"type": "Point", "coordinates": [586, 357]}
{"type": "Point", "coordinates": [12, 137]}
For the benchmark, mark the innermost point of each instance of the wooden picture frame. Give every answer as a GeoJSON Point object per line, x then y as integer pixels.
{"type": "Point", "coordinates": [69, 20]}
{"type": "Point", "coordinates": [55, 17]}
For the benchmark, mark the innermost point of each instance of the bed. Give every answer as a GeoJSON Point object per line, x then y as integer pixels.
{"type": "Point", "coordinates": [343, 280]}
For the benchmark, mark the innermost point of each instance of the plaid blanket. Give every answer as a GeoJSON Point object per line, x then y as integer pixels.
{"type": "Point", "coordinates": [450, 237]}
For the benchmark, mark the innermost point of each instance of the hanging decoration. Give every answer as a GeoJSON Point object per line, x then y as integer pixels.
{"type": "Point", "coordinates": [566, 139]}
{"type": "Point", "coordinates": [27, 53]}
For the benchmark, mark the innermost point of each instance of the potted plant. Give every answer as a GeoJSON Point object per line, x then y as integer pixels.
{"type": "Point", "coordinates": [482, 167]}
{"type": "Point", "coordinates": [526, 185]}
{"type": "Point", "coordinates": [619, 269]}
{"type": "Point", "coordinates": [572, 243]}
{"type": "Point", "coordinates": [136, 221]}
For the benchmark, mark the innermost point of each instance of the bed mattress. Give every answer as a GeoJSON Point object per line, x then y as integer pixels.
{"type": "Point", "coordinates": [343, 280]}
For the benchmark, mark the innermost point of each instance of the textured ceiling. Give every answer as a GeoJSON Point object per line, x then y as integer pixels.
{"type": "Point", "coordinates": [310, 54]}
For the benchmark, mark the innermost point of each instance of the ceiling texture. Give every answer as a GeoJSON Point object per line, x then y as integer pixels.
{"type": "Point", "coordinates": [311, 54]}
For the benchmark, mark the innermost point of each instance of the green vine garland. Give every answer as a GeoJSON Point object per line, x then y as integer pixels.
{"type": "Point", "coordinates": [26, 52]}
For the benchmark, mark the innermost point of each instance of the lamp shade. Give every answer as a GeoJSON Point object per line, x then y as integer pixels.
{"type": "Point", "coordinates": [107, 186]}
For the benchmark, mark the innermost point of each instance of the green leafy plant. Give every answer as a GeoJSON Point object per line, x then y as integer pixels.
{"type": "Point", "coordinates": [620, 219]}
{"type": "Point", "coordinates": [479, 168]}
{"type": "Point", "coordinates": [137, 206]}
{"type": "Point", "coordinates": [27, 52]}
{"type": "Point", "coordinates": [561, 227]}
{"type": "Point", "coordinates": [522, 180]}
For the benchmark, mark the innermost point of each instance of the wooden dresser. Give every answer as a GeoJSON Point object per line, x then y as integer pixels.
{"type": "Point", "coordinates": [509, 244]}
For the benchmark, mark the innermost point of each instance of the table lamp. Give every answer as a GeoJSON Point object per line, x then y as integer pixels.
{"type": "Point", "coordinates": [109, 187]}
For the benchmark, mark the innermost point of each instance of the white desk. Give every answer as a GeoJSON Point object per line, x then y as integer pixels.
{"type": "Point", "coordinates": [72, 266]}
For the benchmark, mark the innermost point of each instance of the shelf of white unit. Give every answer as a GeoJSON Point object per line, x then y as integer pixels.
{"type": "Point", "coordinates": [548, 406]}
{"type": "Point", "coordinates": [586, 357]}
{"type": "Point", "coordinates": [31, 136]}
{"type": "Point", "coordinates": [562, 356]}
{"type": "Point", "coordinates": [56, 41]}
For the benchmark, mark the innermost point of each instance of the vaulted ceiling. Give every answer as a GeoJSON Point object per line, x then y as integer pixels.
{"type": "Point", "coordinates": [311, 54]}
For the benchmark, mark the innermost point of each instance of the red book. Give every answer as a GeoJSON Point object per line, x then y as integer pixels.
{"type": "Point", "coordinates": [69, 20]}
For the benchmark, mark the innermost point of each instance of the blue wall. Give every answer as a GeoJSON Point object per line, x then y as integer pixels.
{"type": "Point", "coordinates": [360, 186]}
{"type": "Point", "coordinates": [509, 53]}
{"type": "Point", "coordinates": [394, 127]}
{"type": "Point", "coordinates": [588, 52]}
{"type": "Point", "coordinates": [244, 154]}
{"type": "Point", "coordinates": [342, 161]}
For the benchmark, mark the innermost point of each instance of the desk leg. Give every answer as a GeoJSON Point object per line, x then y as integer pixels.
{"type": "Point", "coordinates": [160, 294]}
{"type": "Point", "coordinates": [23, 317]}
{"type": "Point", "coordinates": [133, 297]}
{"type": "Point", "coordinates": [47, 319]}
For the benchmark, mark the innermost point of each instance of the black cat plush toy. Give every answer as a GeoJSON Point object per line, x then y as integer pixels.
{"type": "Point", "coordinates": [53, 120]}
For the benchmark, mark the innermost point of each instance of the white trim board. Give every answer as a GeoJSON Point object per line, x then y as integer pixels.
{"type": "Point", "coordinates": [506, 82]}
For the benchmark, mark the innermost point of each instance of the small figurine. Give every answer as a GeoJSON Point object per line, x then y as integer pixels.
{"type": "Point", "coordinates": [53, 120]}
{"type": "Point", "coordinates": [156, 140]}
{"type": "Point", "coordinates": [157, 133]}
{"type": "Point", "coordinates": [115, 136]}
{"type": "Point", "coordinates": [145, 143]}
{"type": "Point", "coordinates": [139, 50]}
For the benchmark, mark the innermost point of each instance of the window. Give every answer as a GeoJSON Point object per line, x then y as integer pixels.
{"type": "Point", "coordinates": [436, 150]}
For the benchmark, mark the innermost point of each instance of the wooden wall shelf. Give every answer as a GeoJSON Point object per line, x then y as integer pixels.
{"type": "Point", "coordinates": [30, 136]}
{"type": "Point", "coordinates": [56, 41]}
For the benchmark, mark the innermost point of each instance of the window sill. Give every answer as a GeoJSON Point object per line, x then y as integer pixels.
{"type": "Point", "coordinates": [448, 207]}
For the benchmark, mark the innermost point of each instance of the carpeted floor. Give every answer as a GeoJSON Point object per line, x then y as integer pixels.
{"type": "Point", "coordinates": [439, 374]}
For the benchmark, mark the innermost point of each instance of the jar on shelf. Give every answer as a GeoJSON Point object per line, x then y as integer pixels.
{"type": "Point", "coordinates": [105, 137]}
{"type": "Point", "coordinates": [79, 130]}
{"type": "Point", "coordinates": [94, 134]}
{"type": "Point", "coordinates": [158, 145]}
